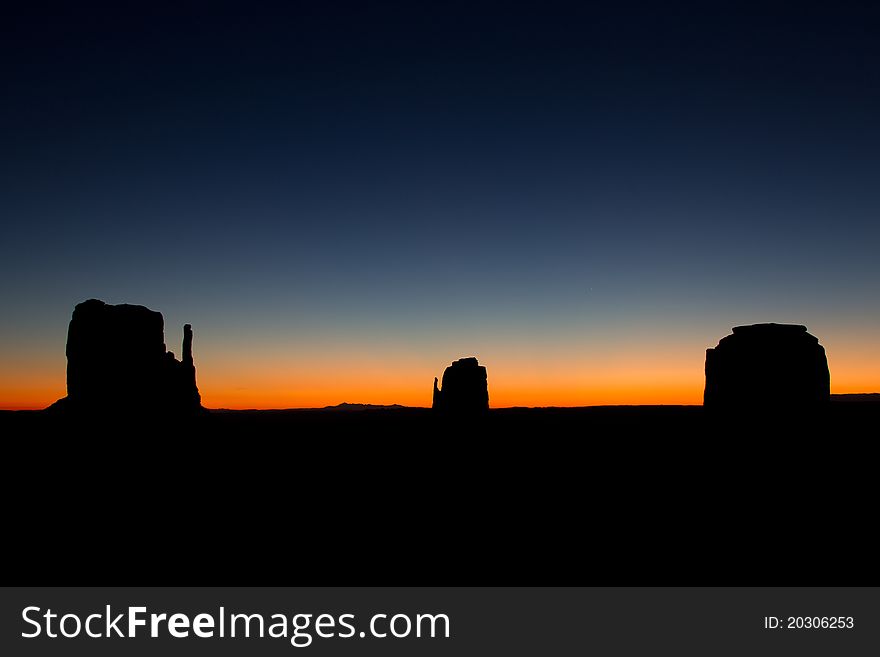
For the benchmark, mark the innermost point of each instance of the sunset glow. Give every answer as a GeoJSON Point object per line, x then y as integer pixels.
{"type": "Point", "coordinates": [342, 203]}
{"type": "Point", "coordinates": [314, 382]}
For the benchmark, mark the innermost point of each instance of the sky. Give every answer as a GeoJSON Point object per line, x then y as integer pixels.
{"type": "Point", "coordinates": [343, 198]}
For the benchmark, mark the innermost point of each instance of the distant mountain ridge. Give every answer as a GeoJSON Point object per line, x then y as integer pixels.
{"type": "Point", "coordinates": [345, 406]}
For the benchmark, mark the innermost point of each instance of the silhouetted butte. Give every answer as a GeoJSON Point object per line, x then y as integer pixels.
{"type": "Point", "coordinates": [465, 388]}
{"type": "Point", "coordinates": [116, 361]}
{"type": "Point", "coordinates": [766, 365]}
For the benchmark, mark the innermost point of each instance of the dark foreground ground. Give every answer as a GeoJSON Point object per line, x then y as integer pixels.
{"type": "Point", "coordinates": [616, 495]}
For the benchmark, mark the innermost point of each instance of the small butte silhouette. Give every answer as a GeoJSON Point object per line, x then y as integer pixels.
{"type": "Point", "coordinates": [118, 366]}
{"type": "Point", "coordinates": [126, 387]}
{"type": "Point", "coordinates": [465, 388]}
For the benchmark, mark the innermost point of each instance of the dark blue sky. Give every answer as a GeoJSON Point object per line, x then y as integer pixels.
{"type": "Point", "coordinates": [455, 174]}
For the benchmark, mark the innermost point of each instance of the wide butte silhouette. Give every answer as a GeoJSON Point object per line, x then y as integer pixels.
{"type": "Point", "coordinates": [465, 388]}
{"type": "Point", "coordinates": [117, 362]}
{"type": "Point", "coordinates": [767, 365]}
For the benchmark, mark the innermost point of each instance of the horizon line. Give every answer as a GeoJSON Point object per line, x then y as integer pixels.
{"type": "Point", "coordinates": [395, 406]}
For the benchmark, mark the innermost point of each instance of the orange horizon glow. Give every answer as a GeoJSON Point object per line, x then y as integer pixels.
{"type": "Point", "coordinates": [572, 372]}
{"type": "Point", "coordinates": [651, 386]}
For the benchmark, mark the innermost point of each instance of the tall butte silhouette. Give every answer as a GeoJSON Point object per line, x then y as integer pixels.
{"type": "Point", "coordinates": [117, 362]}
{"type": "Point", "coordinates": [465, 388]}
{"type": "Point", "coordinates": [767, 365]}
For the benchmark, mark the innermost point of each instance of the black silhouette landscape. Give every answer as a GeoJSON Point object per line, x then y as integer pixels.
{"type": "Point", "coordinates": [132, 428]}
{"type": "Point", "coordinates": [774, 376]}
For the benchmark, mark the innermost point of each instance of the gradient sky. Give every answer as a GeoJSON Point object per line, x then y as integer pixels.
{"type": "Point", "coordinates": [342, 198]}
